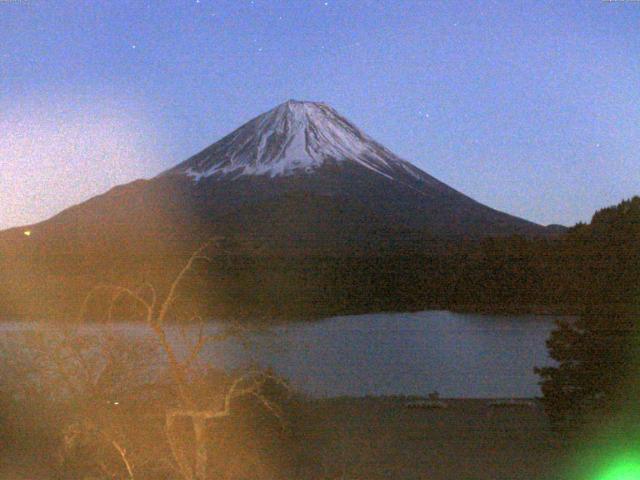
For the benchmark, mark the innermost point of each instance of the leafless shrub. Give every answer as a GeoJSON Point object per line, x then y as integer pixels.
{"type": "Point", "coordinates": [191, 408]}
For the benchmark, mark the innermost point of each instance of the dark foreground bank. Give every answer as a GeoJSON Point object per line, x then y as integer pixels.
{"type": "Point", "coordinates": [392, 437]}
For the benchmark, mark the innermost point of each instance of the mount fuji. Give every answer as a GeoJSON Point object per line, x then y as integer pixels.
{"type": "Point", "coordinates": [304, 172]}
{"type": "Point", "coordinates": [299, 178]}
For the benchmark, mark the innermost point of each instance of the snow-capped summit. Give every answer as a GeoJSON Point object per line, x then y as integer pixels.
{"type": "Point", "coordinates": [295, 137]}
{"type": "Point", "coordinates": [303, 171]}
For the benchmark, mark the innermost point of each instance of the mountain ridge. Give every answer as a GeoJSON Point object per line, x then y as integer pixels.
{"type": "Point", "coordinates": [325, 170]}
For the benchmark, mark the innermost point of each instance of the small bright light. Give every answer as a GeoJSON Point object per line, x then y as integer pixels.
{"type": "Point", "coordinates": [27, 233]}
{"type": "Point", "coordinates": [116, 403]}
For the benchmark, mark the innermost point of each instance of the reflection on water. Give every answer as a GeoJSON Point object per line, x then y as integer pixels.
{"type": "Point", "coordinates": [459, 355]}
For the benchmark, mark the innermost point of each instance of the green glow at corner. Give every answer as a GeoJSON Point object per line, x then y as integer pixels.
{"type": "Point", "coordinates": [622, 470]}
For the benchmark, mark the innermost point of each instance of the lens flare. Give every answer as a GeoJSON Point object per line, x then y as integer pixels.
{"type": "Point", "coordinates": [622, 469]}
{"type": "Point", "coordinates": [62, 152]}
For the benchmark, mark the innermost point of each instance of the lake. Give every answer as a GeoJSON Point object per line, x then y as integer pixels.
{"type": "Point", "coordinates": [459, 355]}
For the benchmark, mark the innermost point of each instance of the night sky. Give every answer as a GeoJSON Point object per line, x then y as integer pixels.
{"type": "Point", "coordinates": [532, 107]}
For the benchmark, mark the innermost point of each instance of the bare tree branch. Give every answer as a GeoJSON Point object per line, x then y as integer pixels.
{"type": "Point", "coordinates": [197, 255]}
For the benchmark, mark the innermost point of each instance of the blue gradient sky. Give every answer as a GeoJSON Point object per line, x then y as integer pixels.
{"type": "Point", "coordinates": [529, 107]}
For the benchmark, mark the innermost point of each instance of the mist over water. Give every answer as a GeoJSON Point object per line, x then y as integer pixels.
{"type": "Point", "coordinates": [459, 355]}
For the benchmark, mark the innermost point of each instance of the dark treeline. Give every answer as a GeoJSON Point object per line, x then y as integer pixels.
{"type": "Point", "coordinates": [556, 274]}
{"type": "Point", "coordinates": [598, 355]}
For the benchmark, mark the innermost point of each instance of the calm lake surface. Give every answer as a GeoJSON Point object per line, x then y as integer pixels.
{"type": "Point", "coordinates": [459, 355]}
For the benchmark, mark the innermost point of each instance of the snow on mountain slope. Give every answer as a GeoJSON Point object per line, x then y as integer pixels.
{"type": "Point", "coordinates": [295, 137]}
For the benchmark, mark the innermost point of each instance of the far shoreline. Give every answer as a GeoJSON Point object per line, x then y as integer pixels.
{"type": "Point", "coordinates": [506, 310]}
{"type": "Point", "coordinates": [275, 320]}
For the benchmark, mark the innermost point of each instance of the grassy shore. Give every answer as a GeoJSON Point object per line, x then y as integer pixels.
{"type": "Point", "coordinates": [389, 438]}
